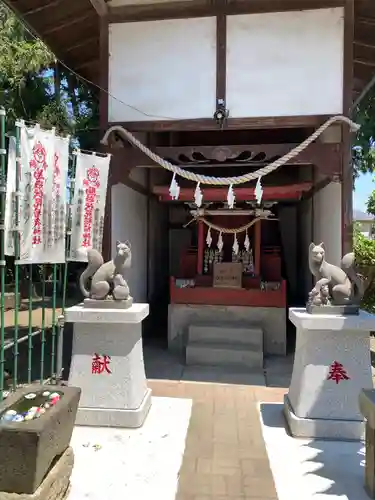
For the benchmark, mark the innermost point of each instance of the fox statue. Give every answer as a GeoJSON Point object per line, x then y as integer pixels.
{"type": "Point", "coordinates": [344, 284]}
{"type": "Point", "coordinates": [107, 277]}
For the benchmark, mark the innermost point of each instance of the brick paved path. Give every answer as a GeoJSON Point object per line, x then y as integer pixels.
{"type": "Point", "coordinates": [225, 456]}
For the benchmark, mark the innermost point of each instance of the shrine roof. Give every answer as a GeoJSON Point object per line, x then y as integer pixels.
{"type": "Point", "coordinates": [71, 28]}
{"type": "Point", "coordinates": [360, 216]}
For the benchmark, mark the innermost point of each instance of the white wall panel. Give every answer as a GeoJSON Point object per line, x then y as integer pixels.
{"type": "Point", "coordinates": [167, 69]}
{"type": "Point", "coordinates": [285, 63]}
{"type": "Point", "coordinates": [129, 222]}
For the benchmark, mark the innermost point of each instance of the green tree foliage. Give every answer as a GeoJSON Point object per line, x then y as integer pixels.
{"type": "Point", "coordinates": [30, 90]}
{"type": "Point", "coordinates": [371, 204]}
{"type": "Point", "coordinates": [364, 250]}
{"type": "Point", "coordinates": [364, 151]}
{"type": "Point", "coordinates": [34, 87]}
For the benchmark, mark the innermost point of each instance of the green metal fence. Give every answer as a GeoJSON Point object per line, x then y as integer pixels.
{"type": "Point", "coordinates": [33, 298]}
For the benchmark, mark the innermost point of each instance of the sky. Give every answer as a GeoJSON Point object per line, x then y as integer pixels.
{"type": "Point", "coordinates": [363, 188]}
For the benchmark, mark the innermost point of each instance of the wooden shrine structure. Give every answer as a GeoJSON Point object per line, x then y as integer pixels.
{"type": "Point", "coordinates": [221, 88]}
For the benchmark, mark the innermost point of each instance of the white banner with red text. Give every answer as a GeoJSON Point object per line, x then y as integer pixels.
{"type": "Point", "coordinates": [43, 171]}
{"type": "Point", "coordinates": [10, 216]}
{"type": "Point", "coordinates": [88, 205]}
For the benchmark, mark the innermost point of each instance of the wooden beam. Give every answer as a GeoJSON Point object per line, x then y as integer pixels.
{"type": "Point", "coordinates": [358, 43]}
{"type": "Point", "coordinates": [135, 186]}
{"type": "Point", "coordinates": [363, 73]}
{"type": "Point", "coordinates": [86, 64]}
{"type": "Point", "coordinates": [67, 23]}
{"type": "Point", "coordinates": [366, 20]}
{"type": "Point", "coordinates": [163, 10]}
{"type": "Point", "coordinates": [327, 157]}
{"type": "Point", "coordinates": [363, 93]}
{"type": "Point", "coordinates": [363, 62]}
{"type": "Point", "coordinates": [318, 186]}
{"type": "Point", "coordinates": [274, 193]}
{"type": "Point", "coordinates": [82, 43]}
{"type": "Point", "coordinates": [221, 56]}
{"type": "Point", "coordinates": [364, 56]}
{"type": "Point", "coordinates": [100, 6]}
{"type": "Point", "coordinates": [200, 124]}
{"type": "Point", "coordinates": [47, 5]}
{"type": "Point", "coordinates": [202, 8]}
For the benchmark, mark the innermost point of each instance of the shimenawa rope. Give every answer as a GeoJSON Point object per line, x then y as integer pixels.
{"type": "Point", "coordinates": [226, 230]}
{"type": "Point", "coordinates": [227, 181]}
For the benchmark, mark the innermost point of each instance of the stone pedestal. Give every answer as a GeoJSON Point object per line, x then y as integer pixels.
{"type": "Point", "coordinates": [367, 407]}
{"type": "Point", "coordinates": [113, 394]}
{"type": "Point", "coordinates": [55, 485]}
{"type": "Point", "coordinates": [331, 366]}
{"type": "Point", "coordinates": [44, 438]}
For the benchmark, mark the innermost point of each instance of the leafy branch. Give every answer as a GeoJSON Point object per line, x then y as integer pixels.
{"type": "Point", "coordinates": [32, 89]}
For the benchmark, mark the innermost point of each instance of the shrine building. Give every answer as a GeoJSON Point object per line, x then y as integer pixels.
{"type": "Point", "coordinates": [221, 88]}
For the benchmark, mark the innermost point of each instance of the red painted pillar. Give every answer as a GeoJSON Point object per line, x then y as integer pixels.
{"type": "Point", "coordinates": [258, 236]}
{"type": "Point", "coordinates": [200, 247]}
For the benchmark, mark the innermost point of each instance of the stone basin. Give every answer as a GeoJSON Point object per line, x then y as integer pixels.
{"type": "Point", "coordinates": [27, 449]}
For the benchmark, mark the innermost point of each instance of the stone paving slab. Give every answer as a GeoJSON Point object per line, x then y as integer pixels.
{"type": "Point", "coordinates": [314, 469]}
{"type": "Point", "coordinates": [225, 456]}
{"type": "Point", "coordinates": [132, 464]}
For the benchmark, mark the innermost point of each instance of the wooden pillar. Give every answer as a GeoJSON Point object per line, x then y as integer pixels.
{"type": "Point", "coordinates": [103, 121]}
{"type": "Point", "coordinates": [200, 247]}
{"type": "Point", "coordinates": [107, 233]}
{"type": "Point", "coordinates": [258, 237]}
{"type": "Point", "coordinates": [347, 170]}
{"type": "Point", "coordinates": [221, 54]}
{"type": "Point", "coordinates": [104, 76]}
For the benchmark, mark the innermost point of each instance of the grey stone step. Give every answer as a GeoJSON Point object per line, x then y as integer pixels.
{"type": "Point", "coordinates": [223, 354]}
{"type": "Point", "coordinates": [227, 333]}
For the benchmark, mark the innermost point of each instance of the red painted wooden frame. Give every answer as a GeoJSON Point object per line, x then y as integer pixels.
{"type": "Point", "coordinates": [289, 192]}
{"type": "Point", "coordinates": [228, 296]}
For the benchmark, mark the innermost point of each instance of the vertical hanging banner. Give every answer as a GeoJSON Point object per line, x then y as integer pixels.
{"type": "Point", "coordinates": [42, 196]}
{"type": "Point", "coordinates": [88, 205]}
{"type": "Point", "coordinates": [10, 207]}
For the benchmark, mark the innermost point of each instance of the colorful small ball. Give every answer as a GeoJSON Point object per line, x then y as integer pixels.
{"type": "Point", "coordinates": [18, 418]}
{"type": "Point", "coordinates": [31, 395]}
{"type": "Point", "coordinates": [8, 416]}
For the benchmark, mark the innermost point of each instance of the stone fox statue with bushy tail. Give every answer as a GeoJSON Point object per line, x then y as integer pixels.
{"type": "Point", "coordinates": [107, 277]}
{"type": "Point", "coordinates": [345, 285]}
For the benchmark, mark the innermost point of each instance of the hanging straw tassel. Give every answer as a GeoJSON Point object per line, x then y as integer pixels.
{"type": "Point", "coordinates": [235, 245]}
{"type": "Point", "coordinates": [198, 196]}
{"type": "Point", "coordinates": [231, 197]}
{"type": "Point", "coordinates": [174, 188]}
{"type": "Point", "coordinates": [209, 238]}
{"type": "Point", "coordinates": [220, 242]}
{"type": "Point", "coordinates": [259, 191]}
{"type": "Point", "coordinates": [247, 242]}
